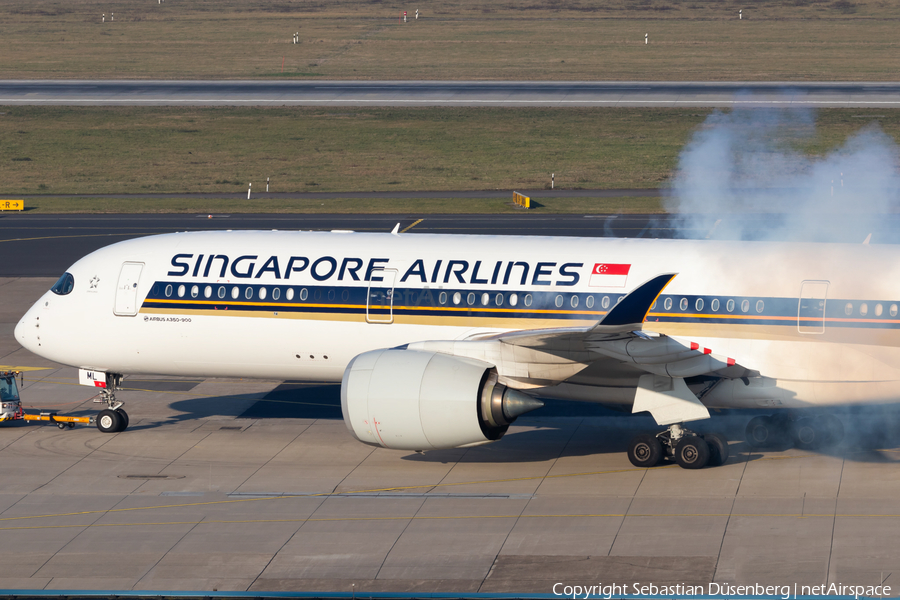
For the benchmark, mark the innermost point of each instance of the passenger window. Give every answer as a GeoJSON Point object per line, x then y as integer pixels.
{"type": "Point", "coordinates": [248, 292]}
{"type": "Point", "coordinates": [590, 302]}
{"type": "Point", "coordinates": [893, 310]}
{"type": "Point", "coordinates": [745, 305]}
{"type": "Point", "coordinates": [262, 293]}
{"type": "Point", "coordinates": [470, 298]}
{"type": "Point", "coordinates": [64, 285]}
{"type": "Point", "coordinates": [559, 301]}
{"type": "Point", "coordinates": [498, 299]}
{"type": "Point", "coordinates": [345, 295]}
{"type": "Point", "coordinates": [574, 301]}
{"type": "Point", "coordinates": [181, 291]}
{"type": "Point", "coordinates": [304, 294]}
{"type": "Point", "coordinates": [207, 291]}
{"type": "Point", "coordinates": [528, 299]}
{"type": "Point", "coordinates": [848, 309]}
{"type": "Point", "coordinates": [729, 306]}
{"type": "Point", "coordinates": [683, 304]}
{"type": "Point", "coordinates": [760, 306]}
{"type": "Point", "coordinates": [289, 295]}
{"type": "Point", "coordinates": [714, 305]}
{"type": "Point", "coordinates": [698, 305]}
{"type": "Point", "coordinates": [168, 290]}
{"type": "Point", "coordinates": [485, 299]}
{"type": "Point", "coordinates": [235, 292]}
{"type": "Point", "coordinates": [667, 304]}
{"type": "Point", "coordinates": [276, 294]}
{"type": "Point", "coordinates": [878, 310]}
{"type": "Point", "coordinates": [331, 295]}
{"type": "Point", "coordinates": [195, 291]}
{"type": "Point", "coordinates": [604, 303]}
{"type": "Point", "coordinates": [442, 298]}
{"type": "Point", "coordinates": [221, 292]}
{"type": "Point", "coordinates": [457, 298]}
{"type": "Point", "coordinates": [513, 299]}
{"type": "Point", "coordinates": [863, 309]}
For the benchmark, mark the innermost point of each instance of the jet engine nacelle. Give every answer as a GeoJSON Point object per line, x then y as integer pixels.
{"type": "Point", "coordinates": [415, 400]}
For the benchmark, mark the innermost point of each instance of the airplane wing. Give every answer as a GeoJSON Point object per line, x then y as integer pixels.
{"type": "Point", "coordinates": [531, 359]}
{"type": "Point", "coordinates": [620, 336]}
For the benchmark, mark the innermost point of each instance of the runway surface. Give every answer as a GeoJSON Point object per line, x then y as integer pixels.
{"type": "Point", "coordinates": [449, 93]}
{"type": "Point", "coordinates": [236, 484]}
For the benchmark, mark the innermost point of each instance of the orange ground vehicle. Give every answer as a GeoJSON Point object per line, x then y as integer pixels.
{"type": "Point", "coordinates": [11, 405]}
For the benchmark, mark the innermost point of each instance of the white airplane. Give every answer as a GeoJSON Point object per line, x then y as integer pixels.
{"type": "Point", "coordinates": [441, 341]}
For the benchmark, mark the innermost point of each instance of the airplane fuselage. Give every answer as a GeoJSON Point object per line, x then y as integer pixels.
{"type": "Point", "coordinates": [819, 322]}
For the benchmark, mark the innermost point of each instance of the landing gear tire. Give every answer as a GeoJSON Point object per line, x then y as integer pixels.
{"type": "Point", "coordinates": [718, 449]}
{"type": "Point", "coordinates": [807, 435]}
{"type": "Point", "coordinates": [645, 451]}
{"type": "Point", "coordinates": [692, 452]}
{"type": "Point", "coordinates": [61, 425]}
{"type": "Point", "coordinates": [766, 432]}
{"type": "Point", "coordinates": [124, 416]}
{"type": "Point", "coordinates": [109, 421]}
{"type": "Point", "coordinates": [759, 432]}
{"type": "Point", "coordinates": [832, 428]}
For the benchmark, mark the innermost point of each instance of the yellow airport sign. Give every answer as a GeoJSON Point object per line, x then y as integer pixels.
{"type": "Point", "coordinates": [12, 205]}
{"type": "Point", "coordinates": [521, 200]}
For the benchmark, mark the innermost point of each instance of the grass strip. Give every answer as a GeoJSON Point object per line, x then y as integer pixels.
{"type": "Point", "coordinates": [828, 40]}
{"type": "Point", "coordinates": [87, 151]}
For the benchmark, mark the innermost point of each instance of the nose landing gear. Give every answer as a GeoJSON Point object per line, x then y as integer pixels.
{"type": "Point", "coordinates": [112, 419]}
{"type": "Point", "coordinates": [690, 450]}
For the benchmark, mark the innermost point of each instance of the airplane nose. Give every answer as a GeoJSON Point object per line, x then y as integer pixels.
{"type": "Point", "coordinates": [27, 331]}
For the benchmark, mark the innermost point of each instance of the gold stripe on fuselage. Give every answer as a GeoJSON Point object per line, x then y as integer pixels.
{"type": "Point", "coordinates": [399, 319]}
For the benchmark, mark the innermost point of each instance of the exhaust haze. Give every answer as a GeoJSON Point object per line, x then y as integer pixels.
{"type": "Point", "coordinates": [742, 177]}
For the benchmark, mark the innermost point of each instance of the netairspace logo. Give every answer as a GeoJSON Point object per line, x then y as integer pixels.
{"type": "Point", "coordinates": [719, 590]}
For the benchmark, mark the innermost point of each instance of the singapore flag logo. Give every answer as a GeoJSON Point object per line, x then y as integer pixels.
{"type": "Point", "coordinates": [609, 275]}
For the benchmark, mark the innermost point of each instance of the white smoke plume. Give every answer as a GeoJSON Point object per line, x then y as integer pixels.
{"type": "Point", "coordinates": [742, 177]}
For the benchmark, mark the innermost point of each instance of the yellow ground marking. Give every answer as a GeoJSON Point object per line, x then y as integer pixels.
{"type": "Point", "coordinates": [370, 491]}
{"type": "Point", "coordinates": [404, 230]}
{"type": "Point", "coordinates": [461, 517]}
{"type": "Point", "coordinates": [327, 494]}
{"type": "Point", "coordinates": [63, 237]}
{"type": "Point", "coordinates": [23, 369]}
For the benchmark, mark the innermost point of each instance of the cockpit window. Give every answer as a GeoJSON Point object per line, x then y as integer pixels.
{"type": "Point", "coordinates": [64, 285]}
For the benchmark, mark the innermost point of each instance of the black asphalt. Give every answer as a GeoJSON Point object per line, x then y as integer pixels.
{"type": "Point", "coordinates": [45, 245]}
{"type": "Point", "coordinates": [448, 93]}
{"type": "Point", "coordinates": [35, 245]}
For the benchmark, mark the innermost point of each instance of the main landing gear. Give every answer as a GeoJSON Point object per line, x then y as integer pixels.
{"type": "Point", "coordinates": [690, 450]}
{"type": "Point", "coordinates": [111, 419]}
{"type": "Point", "coordinates": [784, 429]}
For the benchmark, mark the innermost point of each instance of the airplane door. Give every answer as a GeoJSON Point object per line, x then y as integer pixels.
{"type": "Point", "coordinates": [126, 290]}
{"type": "Point", "coordinates": [811, 307]}
{"type": "Point", "coordinates": [380, 299]}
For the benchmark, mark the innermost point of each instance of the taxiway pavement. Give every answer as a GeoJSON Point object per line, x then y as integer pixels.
{"type": "Point", "coordinates": [235, 484]}
{"type": "Point", "coordinates": [45, 244]}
